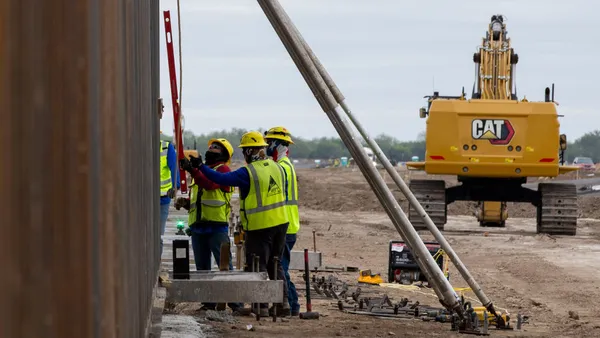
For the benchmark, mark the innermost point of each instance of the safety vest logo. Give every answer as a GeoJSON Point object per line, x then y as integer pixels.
{"type": "Point", "coordinates": [498, 132]}
{"type": "Point", "coordinates": [274, 188]}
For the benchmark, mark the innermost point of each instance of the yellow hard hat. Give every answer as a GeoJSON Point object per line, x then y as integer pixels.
{"type": "Point", "coordinates": [224, 143]}
{"type": "Point", "coordinates": [252, 139]}
{"type": "Point", "coordinates": [279, 133]}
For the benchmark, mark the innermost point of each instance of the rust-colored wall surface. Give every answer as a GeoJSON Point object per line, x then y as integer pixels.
{"type": "Point", "coordinates": [79, 219]}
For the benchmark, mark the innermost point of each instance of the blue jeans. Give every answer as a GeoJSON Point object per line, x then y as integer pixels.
{"type": "Point", "coordinates": [203, 244]}
{"type": "Point", "coordinates": [290, 240]}
{"type": "Point", "coordinates": [164, 214]}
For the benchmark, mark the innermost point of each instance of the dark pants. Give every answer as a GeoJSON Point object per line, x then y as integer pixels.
{"type": "Point", "coordinates": [205, 244]}
{"type": "Point", "coordinates": [266, 244]}
{"type": "Point", "coordinates": [290, 240]}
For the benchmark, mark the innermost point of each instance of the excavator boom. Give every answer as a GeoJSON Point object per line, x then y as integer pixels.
{"type": "Point", "coordinates": [496, 62]}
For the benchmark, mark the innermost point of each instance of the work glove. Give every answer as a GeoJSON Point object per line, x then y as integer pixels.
{"type": "Point", "coordinates": [188, 231]}
{"type": "Point", "coordinates": [171, 193]}
{"type": "Point", "coordinates": [186, 165]}
{"type": "Point", "coordinates": [182, 202]}
{"type": "Point", "coordinates": [196, 161]}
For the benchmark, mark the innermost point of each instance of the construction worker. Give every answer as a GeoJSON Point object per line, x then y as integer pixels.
{"type": "Point", "coordinates": [262, 187]}
{"type": "Point", "coordinates": [279, 140]}
{"type": "Point", "coordinates": [209, 208]}
{"type": "Point", "coordinates": [169, 179]}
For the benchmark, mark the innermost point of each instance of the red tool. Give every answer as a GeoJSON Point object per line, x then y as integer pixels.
{"type": "Point", "coordinates": [308, 314]}
{"type": "Point", "coordinates": [175, 99]}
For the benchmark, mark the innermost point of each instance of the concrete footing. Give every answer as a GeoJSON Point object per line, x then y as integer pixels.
{"type": "Point", "coordinates": [154, 321]}
{"type": "Point", "coordinates": [157, 311]}
{"type": "Point", "coordinates": [225, 287]}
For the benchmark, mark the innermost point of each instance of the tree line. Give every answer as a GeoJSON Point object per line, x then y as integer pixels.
{"type": "Point", "coordinates": [397, 151]}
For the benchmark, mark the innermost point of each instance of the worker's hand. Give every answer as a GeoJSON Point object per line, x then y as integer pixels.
{"type": "Point", "coordinates": [188, 231]}
{"type": "Point", "coordinates": [171, 193]}
{"type": "Point", "coordinates": [196, 161]}
{"type": "Point", "coordinates": [182, 202]}
{"type": "Point", "coordinates": [186, 165]}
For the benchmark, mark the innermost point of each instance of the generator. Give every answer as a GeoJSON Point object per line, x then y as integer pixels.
{"type": "Point", "coordinates": [402, 267]}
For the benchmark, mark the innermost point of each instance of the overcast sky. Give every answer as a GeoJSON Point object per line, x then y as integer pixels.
{"type": "Point", "coordinates": [384, 55]}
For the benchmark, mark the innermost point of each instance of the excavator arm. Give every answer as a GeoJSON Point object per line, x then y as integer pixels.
{"type": "Point", "coordinates": [496, 64]}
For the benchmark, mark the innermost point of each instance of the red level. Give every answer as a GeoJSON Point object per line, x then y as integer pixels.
{"type": "Point", "coordinates": [175, 99]}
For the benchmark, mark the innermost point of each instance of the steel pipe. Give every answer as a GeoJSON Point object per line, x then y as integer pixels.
{"type": "Point", "coordinates": [437, 234]}
{"type": "Point", "coordinates": [283, 27]}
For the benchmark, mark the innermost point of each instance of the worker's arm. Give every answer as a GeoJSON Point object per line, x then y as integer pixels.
{"type": "Point", "coordinates": [172, 163]}
{"type": "Point", "coordinates": [239, 178]}
{"type": "Point", "coordinates": [207, 184]}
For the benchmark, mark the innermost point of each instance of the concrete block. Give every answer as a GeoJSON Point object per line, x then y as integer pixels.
{"type": "Point", "coordinates": [225, 275]}
{"type": "Point", "coordinates": [158, 305]}
{"type": "Point", "coordinates": [297, 260]}
{"type": "Point", "coordinates": [224, 287]}
{"type": "Point", "coordinates": [153, 324]}
{"type": "Point", "coordinates": [155, 331]}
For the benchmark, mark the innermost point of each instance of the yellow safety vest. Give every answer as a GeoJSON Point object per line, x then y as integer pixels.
{"type": "Point", "coordinates": [292, 195]}
{"type": "Point", "coordinates": [165, 173]}
{"type": "Point", "coordinates": [264, 207]}
{"type": "Point", "coordinates": [193, 212]}
{"type": "Point", "coordinates": [216, 205]}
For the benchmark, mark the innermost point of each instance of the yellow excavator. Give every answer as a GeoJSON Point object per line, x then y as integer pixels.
{"type": "Point", "coordinates": [493, 142]}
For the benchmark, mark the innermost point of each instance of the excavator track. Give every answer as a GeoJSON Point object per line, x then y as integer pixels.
{"type": "Point", "coordinates": [557, 213]}
{"type": "Point", "coordinates": [432, 196]}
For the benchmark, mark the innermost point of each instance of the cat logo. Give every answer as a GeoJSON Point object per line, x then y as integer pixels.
{"type": "Point", "coordinates": [274, 189]}
{"type": "Point", "coordinates": [498, 132]}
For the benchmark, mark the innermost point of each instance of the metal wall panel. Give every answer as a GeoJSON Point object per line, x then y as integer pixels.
{"type": "Point", "coordinates": [79, 212]}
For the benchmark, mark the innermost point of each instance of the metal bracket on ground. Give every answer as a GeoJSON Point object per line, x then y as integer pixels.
{"type": "Point", "coordinates": [297, 260]}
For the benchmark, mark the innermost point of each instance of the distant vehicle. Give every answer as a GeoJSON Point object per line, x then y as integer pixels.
{"type": "Point", "coordinates": [585, 164]}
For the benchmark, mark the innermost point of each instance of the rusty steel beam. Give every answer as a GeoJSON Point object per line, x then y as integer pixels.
{"type": "Point", "coordinates": [79, 219]}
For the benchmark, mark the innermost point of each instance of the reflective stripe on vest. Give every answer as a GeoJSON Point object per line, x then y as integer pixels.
{"type": "Point", "coordinates": [264, 207]}
{"type": "Point", "coordinates": [193, 212]}
{"type": "Point", "coordinates": [292, 195]}
{"type": "Point", "coordinates": [166, 182]}
{"type": "Point", "coordinates": [215, 204]}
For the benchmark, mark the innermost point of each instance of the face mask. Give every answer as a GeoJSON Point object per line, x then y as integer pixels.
{"type": "Point", "coordinates": [274, 147]}
{"type": "Point", "coordinates": [212, 157]}
{"type": "Point", "coordinates": [271, 148]}
{"type": "Point", "coordinates": [250, 155]}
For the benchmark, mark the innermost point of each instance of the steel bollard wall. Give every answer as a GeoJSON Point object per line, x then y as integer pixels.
{"type": "Point", "coordinates": [79, 129]}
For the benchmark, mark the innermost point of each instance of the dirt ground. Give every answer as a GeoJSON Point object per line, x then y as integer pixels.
{"type": "Point", "coordinates": [342, 189]}
{"type": "Point", "coordinates": [544, 277]}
